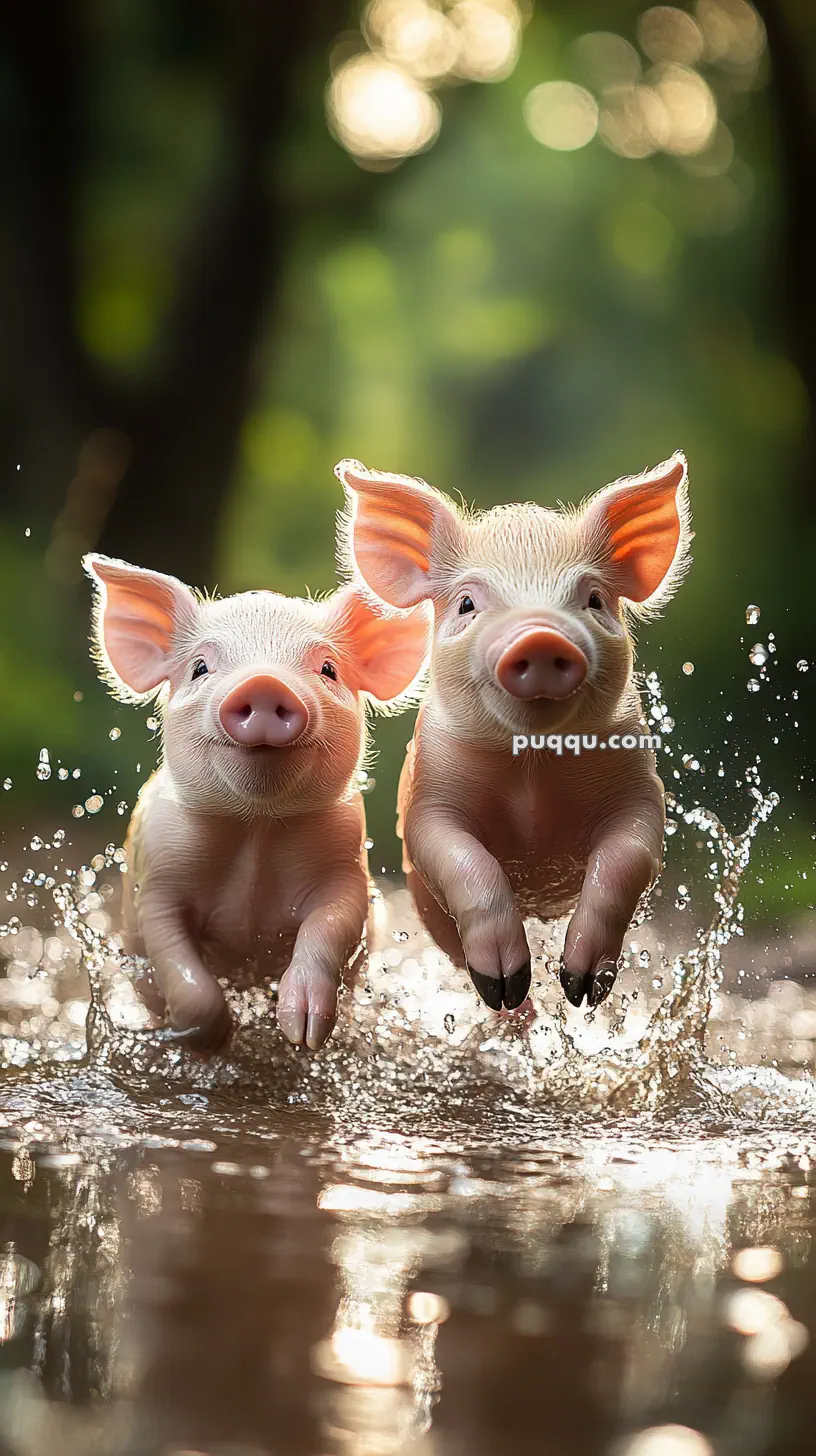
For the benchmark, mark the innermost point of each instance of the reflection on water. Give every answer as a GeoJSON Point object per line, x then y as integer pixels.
{"type": "Point", "coordinates": [304, 1296]}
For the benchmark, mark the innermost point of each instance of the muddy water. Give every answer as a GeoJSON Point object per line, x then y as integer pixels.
{"type": "Point", "coordinates": [449, 1233]}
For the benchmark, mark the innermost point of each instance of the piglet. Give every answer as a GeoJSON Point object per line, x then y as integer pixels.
{"type": "Point", "coordinates": [246, 847]}
{"type": "Point", "coordinates": [531, 640]}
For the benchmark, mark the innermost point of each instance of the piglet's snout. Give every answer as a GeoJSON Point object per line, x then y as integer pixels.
{"type": "Point", "coordinates": [541, 664]}
{"type": "Point", "coordinates": [262, 712]}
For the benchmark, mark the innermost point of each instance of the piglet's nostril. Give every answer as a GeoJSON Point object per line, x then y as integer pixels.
{"type": "Point", "coordinates": [541, 663]}
{"type": "Point", "coordinates": [264, 712]}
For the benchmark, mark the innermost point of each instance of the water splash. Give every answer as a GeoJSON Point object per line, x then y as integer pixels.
{"type": "Point", "coordinates": [411, 1025]}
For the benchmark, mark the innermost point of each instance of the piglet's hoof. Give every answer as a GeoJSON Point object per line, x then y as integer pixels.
{"type": "Point", "coordinates": [517, 986]}
{"type": "Point", "coordinates": [489, 987]}
{"type": "Point", "coordinates": [595, 985]}
{"type": "Point", "coordinates": [497, 991]}
{"type": "Point", "coordinates": [574, 985]}
{"type": "Point", "coordinates": [600, 983]}
{"type": "Point", "coordinates": [204, 1040]}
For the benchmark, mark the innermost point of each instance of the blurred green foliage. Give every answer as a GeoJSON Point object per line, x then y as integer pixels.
{"type": "Point", "coordinates": [507, 321]}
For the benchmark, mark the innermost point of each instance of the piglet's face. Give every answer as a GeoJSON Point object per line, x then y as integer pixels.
{"type": "Point", "coordinates": [264, 696]}
{"type": "Point", "coordinates": [530, 605]}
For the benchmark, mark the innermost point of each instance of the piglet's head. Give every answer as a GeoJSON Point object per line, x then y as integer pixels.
{"type": "Point", "coordinates": [263, 696]}
{"type": "Point", "coordinates": [531, 606]}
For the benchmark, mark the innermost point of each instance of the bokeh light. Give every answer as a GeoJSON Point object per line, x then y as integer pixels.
{"type": "Point", "coordinates": [561, 115]}
{"type": "Point", "coordinates": [690, 109]}
{"type": "Point", "coordinates": [489, 38]}
{"type": "Point", "coordinates": [634, 122]}
{"type": "Point", "coordinates": [756, 1265]}
{"type": "Point", "coordinates": [716, 158]}
{"type": "Point", "coordinates": [379, 112]}
{"type": "Point", "coordinates": [750, 1310]}
{"type": "Point", "coordinates": [604, 60]}
{"type": "Point", "coordinates": [379, 102]}
{"type": "Point", "coordinates": [668, 34]}
{"type": "Point", "coordinates": [733, 31]}
{"type": "Point", "coordinates": [414, 35]}
{"type": "Point", "coordinates": [669, 1441]}
{"type": "Point", "coordinates": [427, 1309]}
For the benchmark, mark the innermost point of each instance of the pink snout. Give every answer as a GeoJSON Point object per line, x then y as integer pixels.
{"type": "Point", "coordinates": [263, 713]}
{"type": "Point", "coordinates": [541, 663]}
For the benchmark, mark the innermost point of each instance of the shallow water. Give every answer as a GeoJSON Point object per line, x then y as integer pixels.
{"type": "Point", "coordinates": [446, 1234]}
{"type": "Point", "coordinates": [449, 1233]}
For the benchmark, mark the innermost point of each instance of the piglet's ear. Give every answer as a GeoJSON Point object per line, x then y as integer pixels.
{"type": "Point", "coordinates": [385, 652]}
{"type": "Point", "coordinates": [138, 617]}
{"type": "Point", "coordinates": [400, 535]}
{"type": "Point", "coordinates": [641, 526]}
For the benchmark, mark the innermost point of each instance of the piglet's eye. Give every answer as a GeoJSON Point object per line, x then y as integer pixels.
{"type": "Point", "coordinates": [595, 602]}
{"type": "Point", "coordinates": [200, 668]}
{"type": "Point", "coordinates": [329, 670]}
{"type": "Point", "coordinates": [466, 605]}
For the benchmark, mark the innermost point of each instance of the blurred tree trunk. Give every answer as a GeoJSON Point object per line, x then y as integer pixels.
{"type": "Point", "coordinates": [152, 484]}
{"type": "Point", "coordinates": [797, 163]}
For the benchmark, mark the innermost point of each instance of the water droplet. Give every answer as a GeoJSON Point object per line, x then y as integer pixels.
{"type": "Point", "coordinates": [802, 665]}
{"type": "Point", "coordinates": [62, 773]}
{"type": "Point", "coordinates": [450, 1022]}
{"type": "Point", "coordinates": [688, 668]}
{"type": "Point", "coordinates": [78, 696]}
{"type": "Point", "coordinates": [369, 844]}
{"type": "Point", "coordinates": [644, 959]}
{"type": "Point", "coordinates": [121, 807]}
{"type": "Point", "coordinates": [94, 803]}
{"type": "Point", "coordinates": [758, 655]}
{"type": "Point", "coordinates": [28, 528]}
{"type": "Point", "coordinates": [152, 724]}
{"type": "Point", "coordinates": [114, 734]}
{"type": "Point", "coordinates": [401, 936]}
{"type": "Point", "coordinates": [6, 783]}
{"type": "Point", "coordinates": [44, 765]}
{"type": "Point", "coordinates": [753, 685]}
{"type": "Point", "coordinates": [78, 811]}
{"type": "Point", "coordinates": [36, 843]}
{"type": "Point", "coordinates": [752, 615]}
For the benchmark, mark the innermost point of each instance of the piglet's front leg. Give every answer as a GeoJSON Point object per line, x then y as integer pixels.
{"type": "Point", "coordinates": [330, 932]}
{"type": "Point", "coordinates": [473, 888]}
{"type": "Point", "coordinates": [624, 860]}
{"type": "Point", "coordinates": [194, 999]}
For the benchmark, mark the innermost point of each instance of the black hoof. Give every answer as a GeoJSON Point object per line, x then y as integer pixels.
{"type": "Point", "coordinates": [517, 986]}
{"type": "Point", "coordinates": [169, 1035]}
{"type": "Point", "coordinates": [489, 988]}
{"type": "Point", "coordinates": [573, 984]}
{"type": "Point", "coordinates": [600, 984]}
{"type": "Point", "coordinates": [206, 1039]}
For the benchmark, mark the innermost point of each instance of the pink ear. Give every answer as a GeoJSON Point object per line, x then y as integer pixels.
{"type": "Point", "coordinates": [139, 614]}
{"type": "Point", "coordinates": [642, 525]}
{"type": "Point", "coordinates": [401, 533]}
{"type": "Point", "coordinates": [386, 652]}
